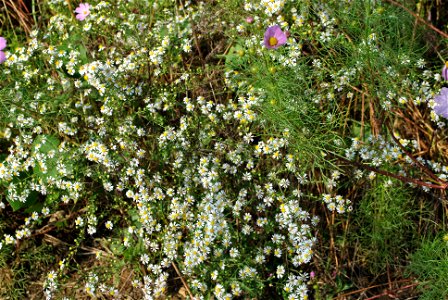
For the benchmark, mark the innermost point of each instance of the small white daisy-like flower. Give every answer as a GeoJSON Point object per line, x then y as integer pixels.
{"type": "Point", "coordinates": [109, 225]}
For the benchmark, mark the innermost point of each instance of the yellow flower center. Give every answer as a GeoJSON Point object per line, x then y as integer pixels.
{"type": "Point", "coordinates": [445, 237]}
{"type": "Point", "coordinates": [446, 64]}
{"type": "Point", "coordinates": [272, 41]}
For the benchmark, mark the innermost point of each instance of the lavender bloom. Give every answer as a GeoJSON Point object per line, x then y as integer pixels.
{"type": "Point", "coordinates": [83, 10]}
{"type": "Point", "coordinates": [2, 43]}
{"type": "Point", "coordinates": [274, 37]}
{"type": "Point", "coordinates": [445, 71]}
{"type": "Point", "coordinates": [441, 107]}
{"type": "Point", "coordinates": [2, 46]}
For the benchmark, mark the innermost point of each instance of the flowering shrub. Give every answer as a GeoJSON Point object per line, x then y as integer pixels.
{"type": "Point", "coordinates": [149, 169]}
{"type": "Point", "coordinates": [135, 157]}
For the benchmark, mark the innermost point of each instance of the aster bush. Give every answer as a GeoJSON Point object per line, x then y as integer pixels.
{"type": "Point", "coordinates": [364, 70]}
{"type": "Point", "coordinates": [228, 150]}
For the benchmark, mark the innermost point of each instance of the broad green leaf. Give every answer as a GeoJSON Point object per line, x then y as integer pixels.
{"type": "Point", "coordinates": [48, 145]}
{"type": "Point", "coordinates": [16, 205]}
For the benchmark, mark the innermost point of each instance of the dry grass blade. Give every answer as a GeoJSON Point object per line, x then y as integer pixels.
{"type": "Point", "coordinates": [183, 281]}
{"type": "Point", "coordinates": [17, 10]}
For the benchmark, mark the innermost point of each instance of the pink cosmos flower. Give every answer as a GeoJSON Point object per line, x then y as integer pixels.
{"type": "Point", "coordinates": [441, 100]}
{"type": "Point", "coordinates": [2, 46]}
{"type": "Point", "coordinates": [83, 10]}
{"type": "Point", "coordinates": [274, 37]}
{"type": "Point", "coordinates": [445, 71]}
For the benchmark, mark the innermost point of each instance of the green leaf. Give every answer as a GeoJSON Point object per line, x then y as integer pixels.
{"type": "Point", "coordinates": [235, 58]}
{"type": "Point", "coordinates": [48, 145]}
{"type": "Point", "coordinates": [16, 205]}
{"type": "Point", "coordinates": [83, 54]}
{"type": "Point", "coordinates": [32, 207]}
{"type": "Point", "coordinates": [45, 143]}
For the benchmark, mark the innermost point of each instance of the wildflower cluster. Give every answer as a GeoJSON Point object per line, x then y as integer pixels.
{"type": "Point", "coordinates": [161, 167]}
{"type": "Point", "coordinates": [163, 175]}
{"type": "Point", "coordinates": [383, 92]}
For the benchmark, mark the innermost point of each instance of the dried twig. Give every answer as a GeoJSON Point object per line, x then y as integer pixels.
{"type": "Point", "coordinates": [20, 12]}
{"type": "Point", "coordinates": [441, 185]}
{"type": "Point", "coordinates": [343, 296]}
{"type": "Point", "coordinates": [183, 280]}
{"type": "Point", "coordinates": [393, 294]}
{"type": "Point", "coordinates": [419, 164]}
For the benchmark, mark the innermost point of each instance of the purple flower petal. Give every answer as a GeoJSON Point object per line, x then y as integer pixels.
{"type": "Point", "coordinates": [80, 17]}
{"type": "Point", "coordinates": [2, 43]}
{"type": "Point", "coordinates": [441, 107]}
{"type": "Point", "coordinates": [2, 57]}
{"type": "Point", "coordinates": [281, 37]}
{"type": "Point", "coordinates": [445, 71]}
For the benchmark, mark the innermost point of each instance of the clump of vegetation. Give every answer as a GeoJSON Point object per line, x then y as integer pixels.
{"type": "Point", "coordinates": [281, 149]}
{"type": "Point", "coordinates": [430, 264]}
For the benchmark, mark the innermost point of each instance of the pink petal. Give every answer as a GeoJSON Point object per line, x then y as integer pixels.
{"type": "Point", "coordinates": [82, 8]}
{"type": "Point", "coordinates": [276, 30]}
{"type": "Point", "coordinates": [80, 17]}
{"type": "Point", "coordinates": [272, 31]}
{"type": "Point", "coordinates": [281, 38]}
{"type": "Point", "coordinates": [441, 107]}
{"type": "Point", "coordinates": [2, 43]}
{"type": "Point", "coordinates": [2, 57]}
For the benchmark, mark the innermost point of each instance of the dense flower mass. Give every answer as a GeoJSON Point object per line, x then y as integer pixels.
{"type": "Point", "coordinates": [441, 100]}
{"type": "Point", "coordinates": [274, 37]}
{"type": "Point", "coordinates": [82, 11]}
{"type": "Point", "coordinates": [2, 46]}
{"type": "Point", "coordinates": [117, 135]}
